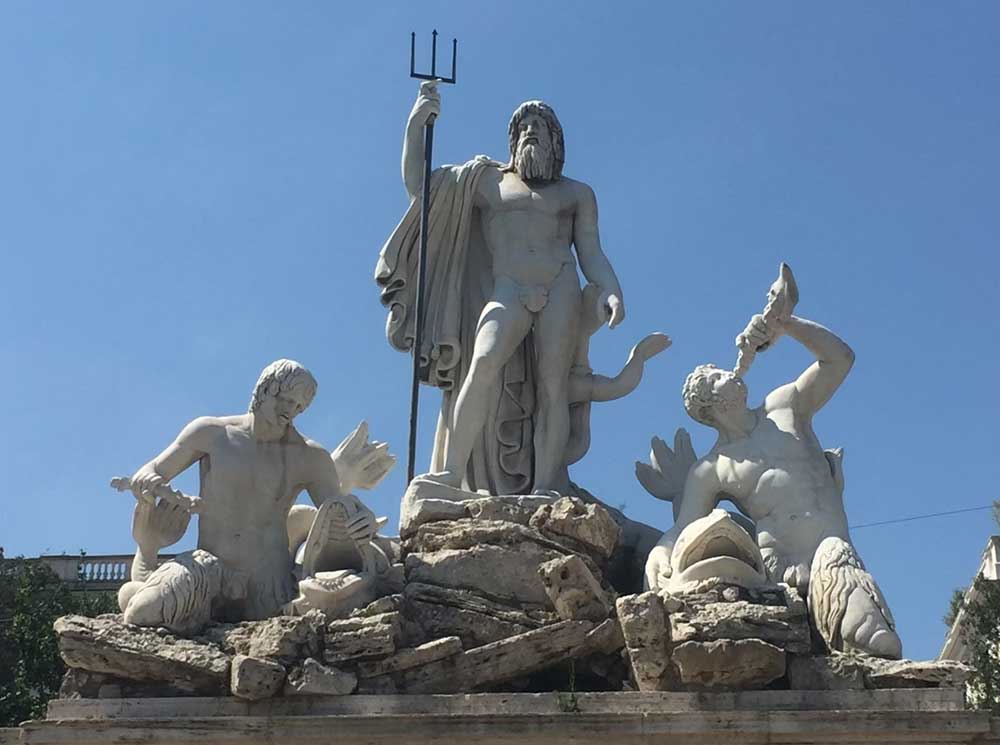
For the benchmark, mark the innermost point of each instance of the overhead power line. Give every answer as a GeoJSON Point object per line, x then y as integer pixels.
{"type": "Point", "coordinates": [922, 517]}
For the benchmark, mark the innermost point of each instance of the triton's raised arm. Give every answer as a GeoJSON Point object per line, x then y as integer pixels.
{"type": "Point", "coordinates": [817, 384]}
{"type": "Point", "coordinates": [834, 360]}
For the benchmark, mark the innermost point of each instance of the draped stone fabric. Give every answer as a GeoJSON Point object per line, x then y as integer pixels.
{"type": "Point", "coordinates": [458, 283]}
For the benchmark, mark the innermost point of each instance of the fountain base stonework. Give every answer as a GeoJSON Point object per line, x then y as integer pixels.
{"type": "Point", "coordinates": [916, 716]}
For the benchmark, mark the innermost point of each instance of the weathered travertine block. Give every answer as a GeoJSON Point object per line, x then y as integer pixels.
{"type": "Point", "coordinates": [881, 673]}
{"type": "Point", "coordinates": [362, 638]}
{"type": "Point", "coordinates": [574, 591]}
{"type": "Point", "coordinates": [588, 524]}
{"type": "Point", "coordinates": [647, 639]}
{"type": "Point", "coordinates": [78, 684]}
{"type": "Point", "coordinates": [406, 659]}
{"type": "Point", "coordinates": [784, 625]}
{"type": "Point", "coordinates": [106, 645]}
{"type": "Point", "coordinates": [515, 509]}
{"type": "Point", "coordinates": [256, 678]}
{"type": "Point", "coordinates": [510, 574]}
{"type": "Point", "coordinates": [836, 672]}
{"type": "Point", "coordinates": [313, 678]}
{"type": "Point", "coordinates": [286, 638]}
{"type": "Point", "coordinates": [498, 662]}
{"type": "Point", "coordinates": [469, 533]}
{"type": "Point", "coordinates": [441, 611]}
{"type": "Point", "coordinates": [742, 664]}
{"type": "Point", "coordinates": [387, 604]}
{"type": "Point", "coordinates": [422, 511]}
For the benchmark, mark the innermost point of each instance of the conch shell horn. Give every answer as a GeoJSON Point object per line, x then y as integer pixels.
{"type": "Point", "coordinates": [782, 298]}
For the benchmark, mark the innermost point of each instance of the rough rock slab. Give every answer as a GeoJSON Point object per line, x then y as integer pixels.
{"type": "Point", "coordinates": [606, 638]}
{"type": "Point", "coordinates": [881, 673]}
{"type": "Point", "coordinates": [312, 678]}
{"type": "Point", "coordinates": [286, 638]}
{"type": "Point", "coordinates": [573, 590]}
{"type": "Point", "coordinates": [783, 626]}
{"type": "Point", "coordinates": [392, 619]}
{"type": "Point", "coordinates": [440, 612]}
{"type": "Point", "coordinates": [78, 683]}
{"type": "Point", "coordinates": [647, 639]}
{"type": "Point", "coordinates": [425, 501]}
{"type": "Point", "coordinates": [498, 662]}
{"type": "Point", "coordinates": [837, 672]}
{"type": "Point", "coordinates": [391, 581]}
{"type": "Point", "coordinates": [515, 509]}
{"type": "Point", "coordinates": [256, 678]}
{"type": "Point", "coordinates": [728, 664]}
{"type": "Point", "coordinates": [423, 511]}
{"type": "Point", "coordinates": [469, 533]}
{"type": "Point", "coordinates": [406, 659]}
{"type": "Point", "coordinates": [588, 524]}
{"type": "Point", "coordinates": [388, 604]}
{"type": "Point", "coordinates": [106, 645]}
{"type": "Point", "coordinates": [362, 638]}
{"type": "Point", "coordinates": [509, 574]}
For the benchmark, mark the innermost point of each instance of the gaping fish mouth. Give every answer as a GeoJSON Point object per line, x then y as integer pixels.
{"type": "Point", "coordinates": [342, 581]}
{"type": "Point", "coordinates": [716, 546]}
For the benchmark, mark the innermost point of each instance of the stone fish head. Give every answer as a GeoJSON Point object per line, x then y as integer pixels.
{"type": "Point", "coordinates": [716, 547]}
{"type": "Point", "coordinates": [338, 564]}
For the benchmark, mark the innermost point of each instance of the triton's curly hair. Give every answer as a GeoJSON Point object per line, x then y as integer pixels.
{"type": "Point", "coordinates": [698, 395]}
{"type": "Point", "coordinates": [546, 112]}
{"type": "Point", "coordinates": [281, 375]}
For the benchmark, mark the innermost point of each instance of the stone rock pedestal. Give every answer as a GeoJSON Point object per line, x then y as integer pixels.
{"type": "Point", "coordinates": [916, 716]}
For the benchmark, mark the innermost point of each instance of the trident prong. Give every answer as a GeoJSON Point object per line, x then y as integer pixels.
{"type": "Point", "coordinates": [433, 74]}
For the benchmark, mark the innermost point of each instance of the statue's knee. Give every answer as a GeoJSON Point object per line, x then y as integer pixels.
{"type": "Point", "coordinates": [125, 593]}
{"type": "Point", "coordinates": [146, 608]}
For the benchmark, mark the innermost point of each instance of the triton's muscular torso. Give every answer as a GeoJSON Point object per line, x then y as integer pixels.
{"type": "Point", "coordinates": [528, 227]}
{"type": "Point", "coordinates": [780, 476]}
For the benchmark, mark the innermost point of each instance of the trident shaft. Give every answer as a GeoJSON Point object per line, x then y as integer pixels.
{"type": "Point", "coordinates": [425, 206]}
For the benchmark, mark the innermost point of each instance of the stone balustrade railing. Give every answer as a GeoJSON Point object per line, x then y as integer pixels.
{"type": "Point", "coordinates": [97, 571]}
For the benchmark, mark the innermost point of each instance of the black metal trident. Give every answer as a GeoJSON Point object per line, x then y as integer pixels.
{"type": "Point", "coordinates": [424, 212]}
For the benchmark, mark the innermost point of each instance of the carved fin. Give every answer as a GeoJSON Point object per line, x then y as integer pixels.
{"type": "Point", "coordinates": [664, 477]}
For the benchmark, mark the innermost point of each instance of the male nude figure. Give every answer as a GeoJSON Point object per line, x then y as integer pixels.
{"type": "Point", "coordinates": [769, 462]}
{"type": "Point", "coordinates": [252, 467]}
{"type": "Point", "coordinates": [531, 217]}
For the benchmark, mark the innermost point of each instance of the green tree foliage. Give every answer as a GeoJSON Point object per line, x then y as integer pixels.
{"type": "Point", "coordinates": [981, 634]}
{"type": "Point", "coordinates": [31, 598]}
{"type": "Point", "coordinates": [954, 606]}
{"type": "Point", "coordinates": [980, 609]}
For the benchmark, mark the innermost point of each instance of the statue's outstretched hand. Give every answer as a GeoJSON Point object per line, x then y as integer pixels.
{"type": "Point", "coordinates": [361, 464]}
{"type": "Point", "coordinates": [158, 525]}
{"type": "Point", "coordinates": [428, 104]}
{"type": "Point", "coordinates": [658, 569]}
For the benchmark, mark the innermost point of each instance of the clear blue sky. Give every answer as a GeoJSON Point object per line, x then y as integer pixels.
{"type": "Point", "coordinates": [190, 190]}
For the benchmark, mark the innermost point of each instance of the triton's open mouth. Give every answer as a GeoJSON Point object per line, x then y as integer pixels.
{"type": "Point", "coordinates": [717, 547]}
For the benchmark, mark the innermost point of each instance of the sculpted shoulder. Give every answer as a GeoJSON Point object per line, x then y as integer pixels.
{"type": "Point", "coordinates": [201, 431]}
